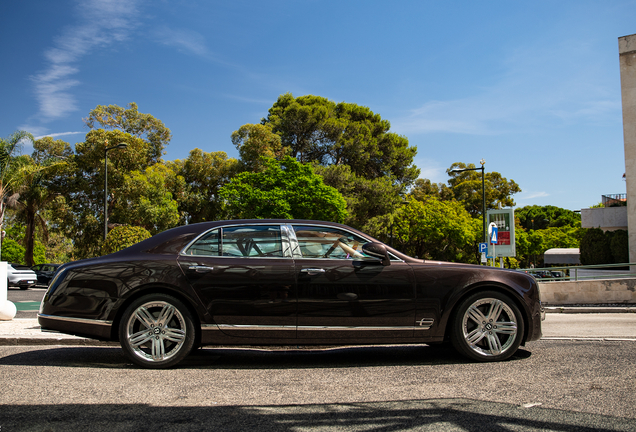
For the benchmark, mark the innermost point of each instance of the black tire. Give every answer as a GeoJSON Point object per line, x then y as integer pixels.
{"type": "Point", "coordinates": [157, 331]}
{"type": "Point", "coordinates": [487, 326]}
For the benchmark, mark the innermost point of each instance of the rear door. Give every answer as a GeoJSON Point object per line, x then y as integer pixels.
{"type": "Point", "coordinates": [245, 277]}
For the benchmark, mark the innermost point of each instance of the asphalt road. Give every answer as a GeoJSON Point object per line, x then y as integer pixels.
{"type": "Point", "coordinates": [551, 385]}
{"type": "Point", "coordinates": [565, 383]}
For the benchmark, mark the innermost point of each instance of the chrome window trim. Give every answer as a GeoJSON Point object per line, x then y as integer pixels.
{"type": "Point", "coordinates": [77, 320]}
{"type": "Point", "coordinates": [392, 257]}
{"type": "Point", "coordinates": [286, 252]}
{"type": "Point", "coordinates": [288, 235]}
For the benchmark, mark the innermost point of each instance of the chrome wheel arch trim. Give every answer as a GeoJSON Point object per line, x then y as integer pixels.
{"type": "Point", "coordinates": [77, 320]}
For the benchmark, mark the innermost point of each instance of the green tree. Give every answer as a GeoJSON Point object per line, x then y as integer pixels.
{"type": "Point", "coordinates": [144, 199]}
{"type": "Point", "coordinates": [285, 189]}
{"type": "Point", "coordinates": [143, 126]}
{"type": "Point", "coordinates": [541, 217]}
{"type": "Point", "coordinates": [596, 248]}
{"type": "Point", "coordinates": [35, 189]}
{"type": "Point", "coordinates": [467, 188]}
{"type": "Point", "coordinates": [430, 229]}
{"type": "Point", "coordinates": [9, 149]}
{"type": "Point", "coordinates": [366, 197]}
{"type": "Point", "coordinates": [123, 236]}
{"type": "Point", "coordinates": [254, 142]}
{"type": "Point", "coordinates": [315, 129]}
{"type": "Point", "coordinates": [80, 212]}
{"type": "Point", "coordinates": [203, 174]}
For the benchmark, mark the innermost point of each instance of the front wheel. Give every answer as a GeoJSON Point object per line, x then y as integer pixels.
{"type": "Point", "coordinates": [487, 326]}
{"type": "Point", "coordinates": [157, 331]}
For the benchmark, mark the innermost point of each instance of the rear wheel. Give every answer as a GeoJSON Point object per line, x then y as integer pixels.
{"type": "Point", "coordinates": [157, 331]}
{"type": "Point", "coordinates": [487, 326]}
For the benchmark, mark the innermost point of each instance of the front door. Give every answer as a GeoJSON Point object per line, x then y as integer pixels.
{"type": "Point", "coordinates": [344, 296]}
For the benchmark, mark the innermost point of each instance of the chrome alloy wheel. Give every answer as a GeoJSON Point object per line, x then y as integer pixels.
{"type": "Point", "coordinates": [156, 331]}
{"type": "Point", "coordinates": [490, 327]}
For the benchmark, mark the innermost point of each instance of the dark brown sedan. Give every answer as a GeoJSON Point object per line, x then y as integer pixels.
{"type": "Point", "coordinates": [273, 282]}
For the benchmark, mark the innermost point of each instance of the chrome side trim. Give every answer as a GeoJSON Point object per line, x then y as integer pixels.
{"type": "Point", "coordinates": [357, 328]}
{"type": "Point", "coordinates": [246, 327]}
{"type": "Point", "coordinates": [425, 326]}
{"type": "Point", "coordinates": [77, 320]}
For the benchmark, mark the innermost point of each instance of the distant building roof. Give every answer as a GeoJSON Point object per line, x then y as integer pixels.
{"type": "Point", "coordinates": [562, 256]}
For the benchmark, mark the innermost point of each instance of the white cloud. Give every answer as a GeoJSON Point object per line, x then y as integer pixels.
{"type": "Point", "coordinates": [525, 196]}
{"type": "Point", "coordinates": [58, 134]}
{"type": "Point", "coordinates": [103, 22]}
{"type": "Point", "coordinates": [184, 40]}
{"type": "Point", "coordinates": [432, 170]}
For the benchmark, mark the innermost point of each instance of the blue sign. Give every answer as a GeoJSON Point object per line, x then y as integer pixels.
{"type": "Point", "coordinates": [493, 235]}
{"type": "Point", "coordinates": [483, 247]}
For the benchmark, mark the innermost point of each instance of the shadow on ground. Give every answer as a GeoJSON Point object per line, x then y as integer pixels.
{"type": "Point", "coordinates": [439, 414]}
{"type": "Point", "coordinates": [254, 357]}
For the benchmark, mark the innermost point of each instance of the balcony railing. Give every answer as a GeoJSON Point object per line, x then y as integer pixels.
{"type": "Point", "coordinates": [615, 200]}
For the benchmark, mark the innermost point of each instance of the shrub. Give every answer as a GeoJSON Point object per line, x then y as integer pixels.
{"type": "Point", "coordinates": [595, 247]}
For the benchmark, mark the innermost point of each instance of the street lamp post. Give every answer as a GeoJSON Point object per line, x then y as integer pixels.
{"type": "Point", "coordinates": [106, 149]}
{"type": "Point", "coordinates": [483, 193]}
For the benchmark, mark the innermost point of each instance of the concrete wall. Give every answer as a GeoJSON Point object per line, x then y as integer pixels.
{"type": "Point", "coordinates": [607, 291]}
{"type": "Point", "coordinates": [608, 219]}
{"type": "Point", "coordinates": [627, 57]}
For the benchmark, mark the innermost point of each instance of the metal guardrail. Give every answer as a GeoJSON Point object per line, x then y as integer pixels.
{"type": "Point", "coordinates": [577, 273]}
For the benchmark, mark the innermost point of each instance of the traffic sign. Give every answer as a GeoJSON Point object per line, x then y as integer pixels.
{"type": "Point", "coordinates": [483, 247]}
{"type": "Point", "coordinates": [492, 233]}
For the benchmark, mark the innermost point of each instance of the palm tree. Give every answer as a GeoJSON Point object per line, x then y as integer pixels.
{"type": "Point", "coordinates": [9, 148]}
{"type": "Point", "coordinates": [35, 189]}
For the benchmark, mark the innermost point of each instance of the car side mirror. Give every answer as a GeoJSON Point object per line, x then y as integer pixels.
{"type": "Point", "coordinates": [377, 250]}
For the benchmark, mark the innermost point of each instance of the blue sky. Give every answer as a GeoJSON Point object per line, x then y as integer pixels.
{"type": "Point", "coordinates": [532, 87]}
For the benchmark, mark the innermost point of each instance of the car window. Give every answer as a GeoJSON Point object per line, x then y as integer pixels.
{"type": "Point", "coordinates": [240, 241]}
{"type": "Point", "coordinates": [208, 245]}
{"type": "Point", "coordinates": [252, 241]}
{"type": "Point", "coordinates": [327, 242]}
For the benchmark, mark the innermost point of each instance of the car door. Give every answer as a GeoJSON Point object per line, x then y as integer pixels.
{"type": "Point", "coordinates": [343, 295]}
{"type": "Point", "coordinates": [245, 277]}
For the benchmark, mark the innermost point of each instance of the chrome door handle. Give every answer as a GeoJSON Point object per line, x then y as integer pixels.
{"type": "Point", "coordinates": [200, 268]}
{"type": "Point", "coordinates": [312, 270]}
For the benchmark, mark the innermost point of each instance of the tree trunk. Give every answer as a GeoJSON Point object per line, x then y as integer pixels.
{"type": "Point", "coordinates": [29, 236]}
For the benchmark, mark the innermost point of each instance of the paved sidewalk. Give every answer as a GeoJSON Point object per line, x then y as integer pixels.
{"type": "Point", "coordinates": [616, 323]}
{"type": "Point", "coordinates": [26, 331]}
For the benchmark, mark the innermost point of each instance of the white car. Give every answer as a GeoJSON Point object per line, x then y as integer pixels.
{"type": "Point", "coordinates": [19, 275]}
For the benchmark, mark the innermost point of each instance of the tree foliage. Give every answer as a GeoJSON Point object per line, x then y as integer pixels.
{"type": "Point", "coordinates": [315, 129]}
{"type": "Point", "coordinates": [124, 236]}
{"type": "Point", "coordinates": [467, 188]}
{"type": "Point", "coordinates": [130, 120]}
{"type": "Point", "coordinates": [255, 142]}
{"type": "Point", "coordinates": [429, 229]}
{"type": "Point", "coordinates": [203, 176]}
{"type": "Point", "coordinates": [145, 199]}
{"type": "Point", "coordinates": [610, 247]}
{"type": "Point", "coordinates": [285, 189]}
{"type": "Point", "coordinates": [366, 198]}
{"type": "Point", "coordinates": [9, 150]}
{"type": "Point", "coordinates": [36, 191]}
{"type": "Point", "coordinates": [542, 217]}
